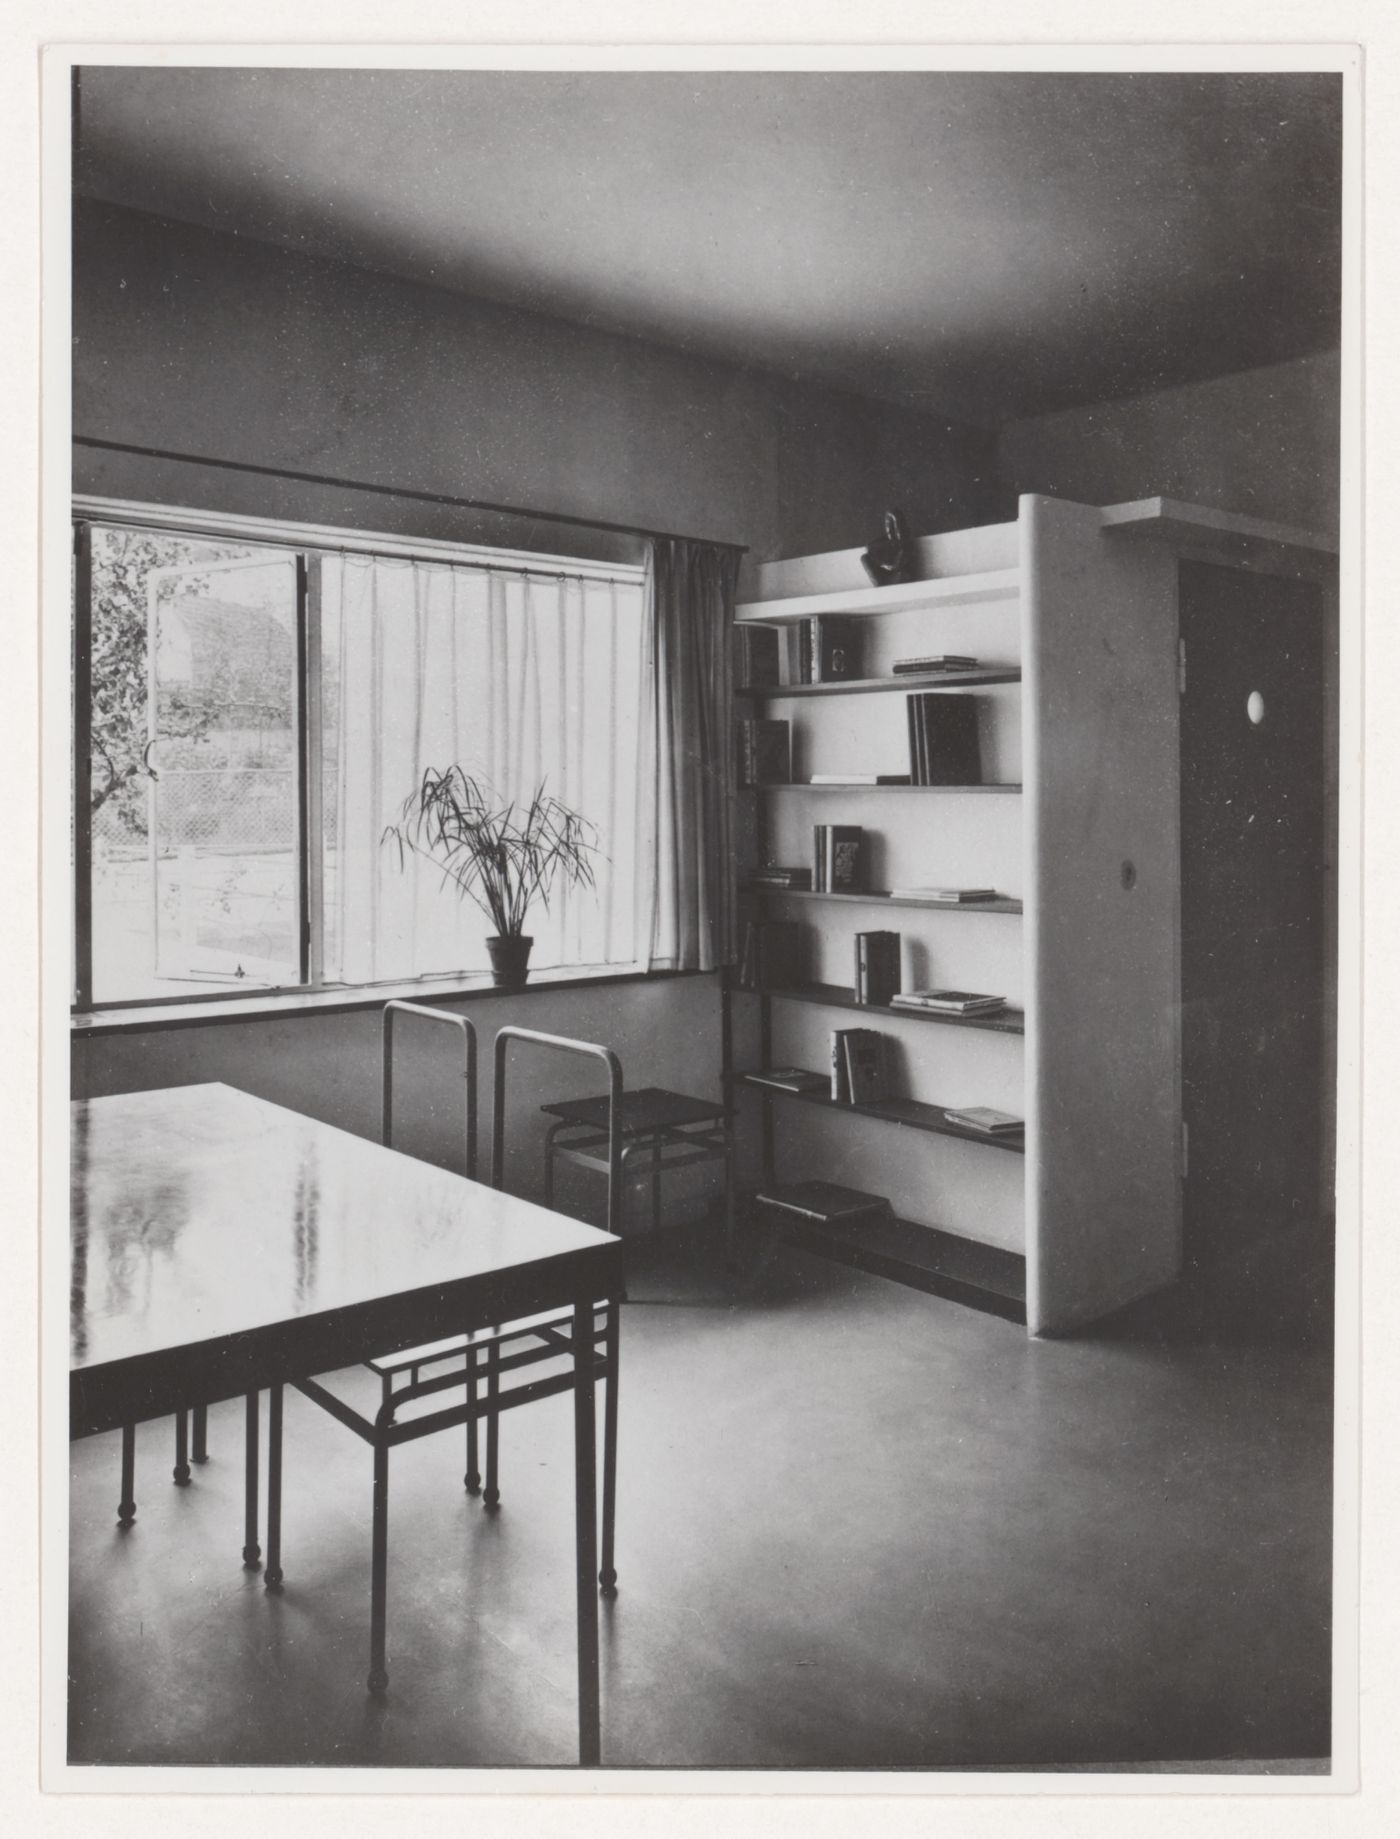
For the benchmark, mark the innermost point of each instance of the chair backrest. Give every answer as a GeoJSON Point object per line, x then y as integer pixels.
{"type": "Point", "coordinates": [562, 1044]}
{"type": "Point", "coordinates": [468, 1030]}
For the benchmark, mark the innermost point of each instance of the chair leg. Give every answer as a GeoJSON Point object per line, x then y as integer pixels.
{"type": "Point", "coordinates": [378, 1681]}
{"type": "Point", "coordinates": [201, 1434]}
{"type": "Point", "coordinates": [182, 1449]}
{"type": "Point", "coordinates": [126, 1506]}
{"type": "Point", "coordinates": [252, 1551]}
{"type": "Point", "coordinates": [472, 1478]}
{"type": "Point", "coordinates": [272, 1576]}
{"type": "Point", "coordinates": [607, 1576]}
{"type": "Point", "coordinates": [492, 1496]}
{"type": "Point", "coordinates": [656, 1185]}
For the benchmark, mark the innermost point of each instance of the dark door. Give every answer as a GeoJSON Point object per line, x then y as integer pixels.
{"type": "Point", "coordinates": [1253, 798]}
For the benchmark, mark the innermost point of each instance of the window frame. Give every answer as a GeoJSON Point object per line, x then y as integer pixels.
{"type": "Point", "coordinates": [311, 543]}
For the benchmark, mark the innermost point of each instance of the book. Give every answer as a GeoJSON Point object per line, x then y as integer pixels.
{"type": "Point", "coordinates": [982, 1117]}
{"type": "Point", "coordinates": [756, 657]}
{"type": "Point", "coordinates": [948, 660]}
{"type": "Point", "coordinates": [944, 745]}
{"type": "Point", "coordinates": [867, 1081]}
{"type": "Point", "coordinates": [876, 966]}
{"type": "Point", "coordinates": [790, 1079]}
{"type": "Point", "coordinates": [773, 876]}
{"type": "Point", "coordinates": [772, 957]}
{"type": "Point", "coordinates": [952, 897]}
{"type": "Point", "coordinates": [840, 1089]}
{"type": "Point", "coordinates": [951, 1002]}
{"type": "Point", "coordinates": [765, 752]}
{"type": "Point", "coordinates": [823, 1201]}
{"type": "Point", "coordinates": [858, 779]}
{"type": "Point", "coordinates": [834, 648]}
{"type": "Point", "coordinates": [838, 858]}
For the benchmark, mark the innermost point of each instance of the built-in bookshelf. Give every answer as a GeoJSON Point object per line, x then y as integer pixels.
{"type": "Point", "coordinates": [1070, 613]}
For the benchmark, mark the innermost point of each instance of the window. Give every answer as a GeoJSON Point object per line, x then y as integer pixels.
{"type": "Point", "coordinates": [258, 711]}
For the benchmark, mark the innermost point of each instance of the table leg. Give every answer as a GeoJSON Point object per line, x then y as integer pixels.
{"type": "Point", "coordinates": [492, 1496]}
{"type": "Point", "coordinates": [586, 1537]}
{"type": "Point", "coordinates": [729, 1196]}
{"type": "Point", "coordinates": [379, 1573]}
{"type": "Point", "coordinates": [272, 1576]}
{"type": "Point", "coordinates": [126, 1506]}
{"type": "Point", "coordinates": [656, 1184]}
{"type": "Point", "coordinates": [252, 1551]}
{"type": "Point", "coordinates": [472, 1478]}
{"type": "Point", "coordinates": [607, 1576]}
{"type": "Point", "coordinates": [182, 1449]}
{"type": "Point", "coordinates": [201, 1433]}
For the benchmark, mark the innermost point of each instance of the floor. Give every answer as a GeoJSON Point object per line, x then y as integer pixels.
{"type": "Point", "coordinates": [859, 1527]}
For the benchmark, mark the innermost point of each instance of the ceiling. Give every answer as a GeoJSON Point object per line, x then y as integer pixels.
{"type": "Point", "coordinates": [983, 245]}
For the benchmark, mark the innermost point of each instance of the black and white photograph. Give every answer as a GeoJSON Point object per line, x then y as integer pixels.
{"type": "Point", "coordinates": [696, 870]}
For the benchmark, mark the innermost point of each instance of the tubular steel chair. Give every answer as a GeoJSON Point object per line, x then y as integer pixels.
{"type": "Point", "coordinates": [474, 1363]}
{"type": "Point", "coordinates": [184, 1455]}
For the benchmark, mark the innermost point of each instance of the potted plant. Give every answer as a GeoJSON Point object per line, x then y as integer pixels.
{"type": "Point", "coordinates": [499, 855]}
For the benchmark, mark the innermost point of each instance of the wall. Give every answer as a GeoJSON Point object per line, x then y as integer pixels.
{"type": "Point", "coordinates": [1263, 442]}
{"type": "Point", "coordinates": [194, 341]}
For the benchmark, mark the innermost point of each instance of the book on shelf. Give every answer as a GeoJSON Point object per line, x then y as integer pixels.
{"type": "Point", "coordinates": [858, 779]}
{"type": "Point", "coordinates": [876, 967]}
{"type": "Point", "coordinates": [789, 1079]}
{"type": "Point", "coordinates": [948, 897]}
{"type": "Point", "coordinates": [867, 1077]}
{"type": "Point", "coordinates": [990, 1122]}
{"type": "Point", "coordinates": [772, 955]}
{"type": "Point", "coordinates": [949, 1002]}
{"type": "Point", "coordinates": [773, 876]}
{"type": "Point", "coordinates": [823, 1201]}
{"type": "Point", "coordinates": [765, 752]}
{"type": "Point", "coordinates": [945, 660]}
{"type": "Point", "coordinates": [839, 1087]}
{"type": "Point", "coordinates": [838, 858]}
{"type": "Point", "coordinates": [836, 647]}
{"type": "Point", "coordinates": [944, 748]}
{"type": "Point", "coordinates": [756, 657]}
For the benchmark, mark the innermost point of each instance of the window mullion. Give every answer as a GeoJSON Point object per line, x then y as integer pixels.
{"type": "Point", "coordinates": [309, 695]}
{"type": "Point", "coordinates": [82, 767]}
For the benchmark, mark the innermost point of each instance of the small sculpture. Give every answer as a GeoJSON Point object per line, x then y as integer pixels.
{"type": "Point", "coordinates": [888, 560]}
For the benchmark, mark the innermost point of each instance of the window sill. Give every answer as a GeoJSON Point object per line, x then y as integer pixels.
{"type": "Point", "coordinates": [284, 1005]}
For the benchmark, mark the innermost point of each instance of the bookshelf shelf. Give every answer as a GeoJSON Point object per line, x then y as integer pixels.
{"type": "Point", "coordinates": [836, 996]}
{"type": "Point", "coordinates": [875, 686]}
{"type": "Point", "coordinates": [876, 897]}
{"type": "Point", "coordinates": [926, 1258]}
{"type": "Point", "coordinates": [909, 1112]}
{"type": "Point", "coordinates": [870, 602]}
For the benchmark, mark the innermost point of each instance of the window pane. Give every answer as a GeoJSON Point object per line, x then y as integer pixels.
{"type": "Point", "coordinates": [195, 860]}
{"type": "Point", "coordinates": [522, 682]}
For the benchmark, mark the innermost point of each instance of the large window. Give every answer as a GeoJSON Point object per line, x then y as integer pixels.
{"type": "Point", "coordinates": [256, 712]}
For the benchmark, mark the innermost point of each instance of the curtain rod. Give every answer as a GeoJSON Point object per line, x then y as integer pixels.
{"type": "Point", "coordinates": [392, 491]}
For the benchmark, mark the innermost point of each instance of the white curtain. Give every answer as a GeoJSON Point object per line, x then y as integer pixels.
{"type": "Point", "coordinates": [522, 680]}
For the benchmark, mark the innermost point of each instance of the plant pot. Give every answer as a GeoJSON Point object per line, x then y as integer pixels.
{"type": "Point", "coordinates": [510, 961]}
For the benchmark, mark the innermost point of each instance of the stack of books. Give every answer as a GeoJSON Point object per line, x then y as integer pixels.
{"type": "Point", "coordinates": [773, 876]}
{"type": "Point", "coordinates": [859, 1071]}
{"type": "Point", "coordinates": [825, 649]}
{"type": "Point", "coordinates": [943, 743]}
{"type": "Point", "coordinates": [923, 667]}
{"type": "Point", "coordinates": [948, 897]}
{"type": "Point", "coordinates": [877, 967]}
{"type": "Point", "coordinates": [790, 1079]}
{"type": "Point", "coordinates": [765, 752]}
{"type": "Point", "coordinates": [949, 1002]}
{"type": "Point", "coordinates": [859, 779]}
{"type": "Point", "coordinates": [991, 1123]}
{"type": "Point", "coordinates": [838, 858]}
{"type": "Point", "coordinates": [772, 955]}
{"type": "Point", "coordinates": [756, 657]}
{"type": "Point", "coordinates": [823, 1201]}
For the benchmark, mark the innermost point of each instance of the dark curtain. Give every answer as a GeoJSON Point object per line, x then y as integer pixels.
{"type": "Point", "coordinates": [690, 604]}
